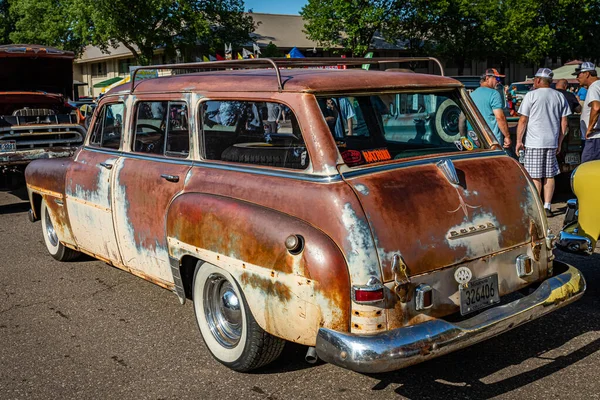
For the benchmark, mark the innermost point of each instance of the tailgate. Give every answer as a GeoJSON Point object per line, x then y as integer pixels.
{"type": "Point", "coordinates": [416, 211]}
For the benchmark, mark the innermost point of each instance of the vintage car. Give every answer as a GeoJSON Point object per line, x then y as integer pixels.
{"type": "Point", "coordinates": [326, 207]}
{"type": "Point", "coordinates": [35, 119]}
{"type": "Point", "coordinates": [581, 229]}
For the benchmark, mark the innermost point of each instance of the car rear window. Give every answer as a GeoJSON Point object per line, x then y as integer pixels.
{"type": "Point", "coordinates": [380, 127]}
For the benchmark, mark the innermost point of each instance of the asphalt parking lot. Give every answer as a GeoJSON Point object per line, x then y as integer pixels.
{"type": "Point", "coordinates": [84, 330]}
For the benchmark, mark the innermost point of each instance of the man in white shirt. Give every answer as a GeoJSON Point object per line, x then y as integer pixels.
{"type": "Point", "coordinates": [544, 114]}
{"type": "Point", "coordinates": [589, 124]}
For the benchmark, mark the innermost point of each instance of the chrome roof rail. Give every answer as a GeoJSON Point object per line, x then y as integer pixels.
{"type": "Point", "coordinates": [277, 63]}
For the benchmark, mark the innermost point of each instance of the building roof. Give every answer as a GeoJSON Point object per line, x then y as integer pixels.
{"type": "Point", "coordinates": [285, 31]}
{"type": "Point", "coordinates": [295, 80]}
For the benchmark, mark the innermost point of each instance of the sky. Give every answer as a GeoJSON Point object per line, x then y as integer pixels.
{"type": "Point", "coordinates": [275, 6]}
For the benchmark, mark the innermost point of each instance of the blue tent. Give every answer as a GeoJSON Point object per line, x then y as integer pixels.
{"type": "Point", "coordinates": [295, 53]}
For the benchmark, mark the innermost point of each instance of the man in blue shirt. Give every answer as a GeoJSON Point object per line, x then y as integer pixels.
{"type": "Point", "coordinates": [489, 102]}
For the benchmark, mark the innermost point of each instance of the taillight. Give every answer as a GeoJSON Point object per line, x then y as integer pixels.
{"type": "Point", "coordinates": [372, 292]}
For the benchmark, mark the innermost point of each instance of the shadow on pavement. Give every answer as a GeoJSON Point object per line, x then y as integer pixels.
{"type": "Point", "coordinates": [14, 208]}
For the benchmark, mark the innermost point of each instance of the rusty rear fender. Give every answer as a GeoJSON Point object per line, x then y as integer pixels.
{"type": "Point", "coordinates": [46, 180]}
{"type": "Point", "coordinates": [290, 295]}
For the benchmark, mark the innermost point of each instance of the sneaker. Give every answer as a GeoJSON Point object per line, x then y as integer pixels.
{"type": "Point", "coordinates": [548, 212]}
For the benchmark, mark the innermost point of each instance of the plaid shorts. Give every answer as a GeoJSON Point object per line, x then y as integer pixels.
{"type": "Point", "coordinates": [541, 163]}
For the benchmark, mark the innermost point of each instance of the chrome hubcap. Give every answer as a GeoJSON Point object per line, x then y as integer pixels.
{"type": "Point", "coordinates": [222, 311]}
{"type": "Point", "coordinates": [50, 232]}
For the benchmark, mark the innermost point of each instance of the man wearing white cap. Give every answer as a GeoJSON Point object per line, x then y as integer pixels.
{"type": "Point", "coordinates": [588, 122]}
{"type": "Point", "coordinates": [544, 114]}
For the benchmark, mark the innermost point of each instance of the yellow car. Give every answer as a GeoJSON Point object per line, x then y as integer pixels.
{"type": "Point", "coordinates": [582, 223]}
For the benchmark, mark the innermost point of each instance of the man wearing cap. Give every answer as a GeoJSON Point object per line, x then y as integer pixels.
{"type": "Point", "coordinates": [544, 114]}
{"type": "Point", "coordinates": [489, 103]}
{"type": "Point", "coordinates": [588, 122]}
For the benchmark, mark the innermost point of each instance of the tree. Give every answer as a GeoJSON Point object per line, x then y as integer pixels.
{"type": "Point", "coordinates": [46, 22]}
{"type": "Point", "coordinates": [271, 51]}
{"type": "Point", "coordinates": [144, 26]}
{"type": "Point", "coordinates": [349, 24]}
{"type": "Point", "coordinates": [6, 22]}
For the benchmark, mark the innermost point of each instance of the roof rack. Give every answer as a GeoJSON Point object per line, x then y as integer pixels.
{"type": "Point", "coordinates": [277, 63]}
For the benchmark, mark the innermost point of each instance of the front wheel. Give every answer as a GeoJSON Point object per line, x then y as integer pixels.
{"type": "Point", "coordinates": [54, 246]}
{"type": "Point", "coordinates": [228, 328]}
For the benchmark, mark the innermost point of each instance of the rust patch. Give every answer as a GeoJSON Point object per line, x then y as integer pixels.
{"type": "Point", "coordinates": [270, 288]}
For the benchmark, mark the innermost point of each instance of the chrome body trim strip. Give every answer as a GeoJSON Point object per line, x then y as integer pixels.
{"type": "Point", "coordinates": [409, 345]}
{"type": "Point", "coordinates": [433, 160]}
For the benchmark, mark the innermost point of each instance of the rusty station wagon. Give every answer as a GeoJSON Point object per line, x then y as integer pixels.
{"type": "Point", "coordinates": [336, 208]}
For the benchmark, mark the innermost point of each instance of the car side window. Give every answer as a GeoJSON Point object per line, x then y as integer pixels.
{"type": "Point", "coordinates": [252, 132]}
{"type": "Point", "coordinates": [161, 128]}
{"type": "Point", "coordinates": [108, 128]}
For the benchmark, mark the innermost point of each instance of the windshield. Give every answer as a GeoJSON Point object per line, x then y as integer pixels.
{"type": "Point", "coordinates": [380, 127]}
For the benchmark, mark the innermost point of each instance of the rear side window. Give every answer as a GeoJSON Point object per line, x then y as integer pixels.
{"type": "Point", "coordinates": [108, 128]}
{"type": "Point", "coordinates": [161, 128]}
{"type": "Point", "coordinates": [248, 132]}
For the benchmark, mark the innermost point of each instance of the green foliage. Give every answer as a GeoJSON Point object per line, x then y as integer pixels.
{"type": "Point", "coordinates": [349, 24]}
{"type": "Point", "coordinates": [142, 26]}
{"type": "Point", "coordinates": [46, 22]}
{"type": "Point", "coordinates": [271, 51]}
{"type": "Point", "coordinates": [6, 23]}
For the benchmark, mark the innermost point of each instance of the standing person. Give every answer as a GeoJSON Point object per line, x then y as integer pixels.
{"type": "Point", "coordinates": [582, 92]}
{"type": "Point", "coordinates": [544, 114]}
{"type": "Point", "coordinates": [587, 76]}
{"type": "Point", "coordinates": [489, 102]}
{"type": "Point", "coordinates": [574, 105]}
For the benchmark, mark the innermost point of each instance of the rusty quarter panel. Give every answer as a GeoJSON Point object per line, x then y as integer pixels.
{"type": "Point", "coordinates": [248, 241]}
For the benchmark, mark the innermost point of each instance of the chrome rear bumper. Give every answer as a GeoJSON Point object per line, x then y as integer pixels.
{"type": "Point", "coordinates": [402, 347]}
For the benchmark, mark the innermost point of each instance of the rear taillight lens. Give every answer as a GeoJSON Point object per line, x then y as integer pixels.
{"type": "Point", "coordinates": [368, 296]}
{"type": "Point", "coordinates": [372, 292]}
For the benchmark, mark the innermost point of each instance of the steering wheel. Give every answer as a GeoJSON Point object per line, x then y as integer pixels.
{"type": "Point", "coordinates": [152, 147]}
{"type": "Point", "coordinates": [156, 129]}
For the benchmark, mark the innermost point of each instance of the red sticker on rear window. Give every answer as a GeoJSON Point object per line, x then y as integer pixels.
{"type": "Point", "coordinates": [376, 155]}
{"type": "Point", "coordinates": [352, 157]}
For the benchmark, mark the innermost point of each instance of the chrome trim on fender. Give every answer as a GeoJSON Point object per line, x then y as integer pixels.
{"type": "Point", "coordinates": [402, 347]}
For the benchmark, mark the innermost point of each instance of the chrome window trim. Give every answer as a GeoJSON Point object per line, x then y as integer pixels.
{"type": "Point", "coordinates": [433, 161]}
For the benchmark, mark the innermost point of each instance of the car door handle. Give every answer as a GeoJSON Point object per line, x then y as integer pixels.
{"type": "Point", "coordinates": [106, 165]}
{"type": "Point", "coordinates": [170, 178]}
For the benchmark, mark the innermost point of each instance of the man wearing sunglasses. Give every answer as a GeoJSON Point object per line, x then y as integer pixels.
{"type": "Point", "coordinates": [489, 103]}
{"type": "Point", "coordinates": [587, 76]}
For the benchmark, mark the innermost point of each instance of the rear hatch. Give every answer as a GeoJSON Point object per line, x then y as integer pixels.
{"type": "Point", "coordinates": [413, 209]}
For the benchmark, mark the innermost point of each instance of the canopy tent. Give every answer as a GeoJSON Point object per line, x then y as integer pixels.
{"type": "Point", "coordinates": [107, 82]}
{"type": "Point", "coordinates": [566, 72]}
{"type": "Point", "coordinates": [116, 83]}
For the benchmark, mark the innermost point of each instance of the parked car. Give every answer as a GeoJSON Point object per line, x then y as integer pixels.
{"type": "Point", "coordinates": [581, 229]}
{"type": "Point", "coordinates": [35, 119]}
{"type": "Point", "coordinates": [360, 227]}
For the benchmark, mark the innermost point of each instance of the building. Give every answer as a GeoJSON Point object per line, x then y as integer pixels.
{"type": "Point", "coordinates": [99, 70]}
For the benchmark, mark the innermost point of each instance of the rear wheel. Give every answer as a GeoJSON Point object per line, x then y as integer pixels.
{"type": "Point", "coordinates": [54, 246]}
{"type": "Point", "coordinates": [228, 328]}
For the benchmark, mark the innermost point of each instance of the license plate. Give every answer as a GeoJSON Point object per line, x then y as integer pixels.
{"type": "Point", "coordinates": [8, 145]}
{"type": "Point", "coordinates": [573, 158]}
{"type": "Point", "coordinates": [480, 294]}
